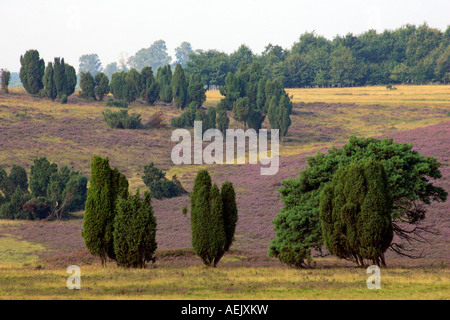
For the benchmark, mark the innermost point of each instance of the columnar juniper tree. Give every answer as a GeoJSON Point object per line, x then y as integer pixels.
{"type": "Point", "coordinates": [355, 213]}
{"type": "Point", "coordinates": [213, 218]}
{"type": "Point", "coordinates": [230, 213]}
{"type": "Point", "coordinates": [5, 76]}
{"type": "Point", "coordinates": [49, 82]}
{"type": "Point", "coordinates": [134, 231]}
{"type": "Point", "coordinates": [31, 71]}
{"type": "Point", "coordinates": [179, 88]}
{"type": "Point", "coordinates": [106, 186]}
{"type": "Point", "coordinates": [150, 88]}
{"type": "Point", "coordinates": [87, 85]}
{"type": "Point", "coordinates": [101, 85]}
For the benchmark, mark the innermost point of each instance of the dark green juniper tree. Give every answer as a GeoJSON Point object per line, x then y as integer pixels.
{"type": "Point", "coordinates": [49, 82]}
{"type": "Point", "coordinates": [179, 88]}
{"type": "Point", "coordinates": [106, 187]}
{"type": "Point", "coordinates": [150, 88]}
{"type": "Point", "coordinates": [5, 76]}
{"type": "Point", "coordinates": [164, 80]}
{"type": "Point", "coordinates": [196, 91]}
{"type": "Point", "coordinates": [355, 213]}
{"type": "Point", "coordinates": [134, 231]}
{"type": "Point", "coordinates": [31, 71]}
{"type": "Point", "coordinates": [101, 85]}
{"type": "Point", "coordinates": [213, 218]}
{"type": "Point", "coordinates": [87, 85]}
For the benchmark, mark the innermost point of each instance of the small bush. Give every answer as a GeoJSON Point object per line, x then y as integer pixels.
{"type": "Point", "coordinates": [122, 120]}
{"type": "Point", "coordinates": [63, 99]}
{"type": "Point", "coordinates": [155, 179]}
{"type": "Point", "coordinates": [110, 102]}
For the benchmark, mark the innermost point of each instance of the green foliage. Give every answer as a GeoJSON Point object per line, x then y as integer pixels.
{"type": "Point", "coordinates": [71, 79]}
{"type": "Point", "coordinates": [160, 187]}
{"type": "Point", "coordinates": [231, 91]}
{"type": "Point", "coordinates": [5, 76]}
{"type": "Point", "coordinates": [133, 82]}
{"type": "Point", "coordinates": [118, 86]}
{"type": "Point", "coordinates": [186, 119]}
{"type": "Point", "coordinates": [213, 218]}
{"type": "Point", "coordinates": [101, 85]}
{"type": "Point", "coordinates": [16, 179]}
{"type": "Point", "coordinates": [241, 110]}
{"type": "Point", "coordinates": [230, 213]}
{"type": "Point", "coordinates": [110, 102]}
{"type": "Point", "coordinates": [40, 174]}
{"type": "Point", "coordinates": [278, 113]}
{"type": "Point", "coordinates": [13, 209]}
{"type": "Point", "coordinates": [63, 99]}
{"type": "Point", "coordinates": [150, 88]}
{"type": "Point", "coordinates": [179, 88]}
{"type": "Point", "coordinates": [31, 71]}
{"type": "Point", "coordinates": [164, 80]}
{"type": "Point", "coordinates": [49, 82]}
{"type": "Point", "coordinates": [54, 193]}
{"type": "Point", "coordinates": [355, 213]}
{"type": "Point", "coordinates": [408, 54]}
{"type": "Point", "coordinates": [65, 79]}
{"type": "Point", "coordinates": [106, 187]}
{"type": "Point", "coordinates": [222, 120]}
{"type": "Point", "coordinates": [297, 225]}
{"type": "Point", "coordinates": [87, 85]}
{"type": "Point", "coordinates": [122, 120]}
{"type": "Point", "coordinates": [59, 73]}
{"type": "Point", "coordinates": [66, 192]}
{"type": "Point", "coordinates": [210, 122]}
{"type": "Point", "coordinates": [196, 91]}
{"type": "Point", "coordinates": [134, 231]}
{"type": "Point", "coordinates": [212, 66]}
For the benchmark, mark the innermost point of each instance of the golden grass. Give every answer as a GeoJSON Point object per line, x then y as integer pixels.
{"type": "Point", "coordinates": [29, 282]}
{"type": "Point", "coordinates": [14, 250]}
{"type": "Point", "coordinates": [404, 95]}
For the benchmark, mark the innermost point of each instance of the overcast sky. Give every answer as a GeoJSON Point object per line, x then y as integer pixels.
{"type": "Point", "coordinates": [110, 27]}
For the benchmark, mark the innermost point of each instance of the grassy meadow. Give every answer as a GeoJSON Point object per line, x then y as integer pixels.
{"type": "Point", "coordinates": [34, 255]}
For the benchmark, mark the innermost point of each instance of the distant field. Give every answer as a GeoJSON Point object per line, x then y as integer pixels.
{"type": "Point", "coordinates": [404, 95]}
{"type": "Point", "coordinates": [34, 254]}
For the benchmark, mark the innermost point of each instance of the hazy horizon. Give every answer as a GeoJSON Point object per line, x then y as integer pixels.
{"type": "Point", "coordinates": [70, 29]}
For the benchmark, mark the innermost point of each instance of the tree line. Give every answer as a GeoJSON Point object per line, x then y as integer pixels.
{"type": "Point", "coordinates": [410, 54]}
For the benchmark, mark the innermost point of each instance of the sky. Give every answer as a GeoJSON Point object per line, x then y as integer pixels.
{"type": "Point", "coordinates": [113, 28]}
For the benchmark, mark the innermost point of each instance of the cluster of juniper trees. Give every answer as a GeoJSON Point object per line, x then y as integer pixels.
{"type": "Point", "coordinates": [351, 201]}
{"type": "Point", "coordinates": [56, 80]}
{"type": "Point", "coordinates": [49, 193]}
{"type": "Point", "coordinates": [248, 94]}
{"type": "Point", "coordinates": [122, 227]}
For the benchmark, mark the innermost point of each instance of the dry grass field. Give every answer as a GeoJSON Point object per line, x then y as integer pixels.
{"type": "Point", "coordinates": [34, 255]}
